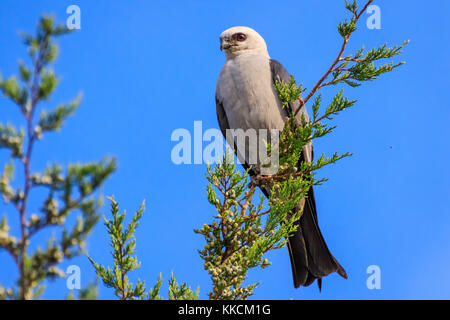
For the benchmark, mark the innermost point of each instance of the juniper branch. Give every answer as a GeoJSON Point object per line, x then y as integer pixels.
{"type": "Point", "coordinates": [363, 68]}
{"type": "Point", "coordinates": [244, 230]}
{"type": "Point", "coordinates": [123, 243]}
{"type": "Point", "coordinates": [75, 188]}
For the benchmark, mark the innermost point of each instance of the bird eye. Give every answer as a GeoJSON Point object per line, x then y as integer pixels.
{"type": "Point", "coordinates": [240, 37]}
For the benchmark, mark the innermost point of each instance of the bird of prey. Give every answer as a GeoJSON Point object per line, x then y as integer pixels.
{"type": "Point", "coordinates": [246, 99]}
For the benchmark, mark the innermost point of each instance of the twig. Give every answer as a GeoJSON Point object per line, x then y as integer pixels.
{"type": "Point", "coordinates": [248, 200]}
{"type": "Point", "coordinates": [318, 85]}
{"type": "Point", "coordinates": [26, 160]}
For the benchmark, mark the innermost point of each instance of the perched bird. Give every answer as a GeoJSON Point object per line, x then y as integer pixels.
{"type": "Point", "coordinates": [246, 99]}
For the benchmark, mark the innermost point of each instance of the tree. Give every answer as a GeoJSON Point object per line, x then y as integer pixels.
{"type": "Point", "coordinates": [70, 190]}
{"type": "Point", "coordinates": [123, 243]}
{"type": "Point", "coordinates": [244, 229]}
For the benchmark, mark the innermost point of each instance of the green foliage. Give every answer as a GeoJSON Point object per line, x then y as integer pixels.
{"type": "Point", "coordinates": [244, 230]}
{"type": "Point", "coordinates": [88, 293]}
{"type": "Point", "coordinates": [288, 92]}
{"type": "Point", "coordinates": [358, 68]}
{"type": "Point", "coordinates": [347, 27]}
{"type": "Point", "coordinates": [123, 243]}
{"type": "Point", "coordinates": [153, 293]}
{"type": "Point", "coordinates": [229, 250]}
{"type": "Point", "coordinates": [54, 120]}
{"type": "Point", "coordinates": [12, 139]}
{"type": "Point", "coordinates": [48, 83]}
{"type": "Point", "coordinates": [67, 190]}
{"type": "Point", "coordinates": [246, 226]}
{"type": "Point", "coordinates": [14, 91]}
{"type": "Point", "coordinates": [181, 292]}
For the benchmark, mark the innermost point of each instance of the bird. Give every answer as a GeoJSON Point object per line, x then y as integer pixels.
{"type": "Point", "coordinates": [246, 99]}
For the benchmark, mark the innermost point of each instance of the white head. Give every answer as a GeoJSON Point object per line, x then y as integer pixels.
{"type": "Point", "coordinates": [242, 40]}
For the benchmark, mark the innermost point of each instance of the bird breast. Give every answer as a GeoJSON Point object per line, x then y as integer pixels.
{"type": "Point", "coordinates": [245, 88]}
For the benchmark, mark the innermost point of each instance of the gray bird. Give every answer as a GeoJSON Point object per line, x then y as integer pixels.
{"type": "Point", "coordinates": [246, 99]}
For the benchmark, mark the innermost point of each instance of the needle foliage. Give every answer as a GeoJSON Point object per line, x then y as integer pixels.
{"type": "Point", "coordinates": [123, 244]}
{"type": "Point", "coordinates": [70, 190]}
{"type": "Point", "coordinates": [245, 227]}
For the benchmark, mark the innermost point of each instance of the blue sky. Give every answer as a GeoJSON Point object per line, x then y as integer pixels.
{"type": "Point", "coordinates": [147, 68]}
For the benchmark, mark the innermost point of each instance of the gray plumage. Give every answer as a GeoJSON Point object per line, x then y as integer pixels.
{"type": "Point", "coordinates": [246, 99]}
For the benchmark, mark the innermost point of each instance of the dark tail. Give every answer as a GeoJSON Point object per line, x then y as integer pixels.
{"type": "Point", "coordinates": [309, 254]}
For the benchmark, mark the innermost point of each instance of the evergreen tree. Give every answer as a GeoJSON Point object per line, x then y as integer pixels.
{"type": "Point", "coordinates": [123, 243]}
{"type": "Point", "coordinates": [70, 190]}
{"type": "Point", "coordinates": [245, 226]}
{"type": "Point", "coordinates": [245, 229]}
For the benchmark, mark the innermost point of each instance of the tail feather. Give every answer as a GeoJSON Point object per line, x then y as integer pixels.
{"type": "Point", "coordinates": [309, 255]}
{"type": "Point", "coordinates": [308, 252]}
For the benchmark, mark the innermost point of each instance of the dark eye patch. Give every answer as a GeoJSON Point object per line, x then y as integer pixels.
{"type": "Point", "coordinates": [239, 36]}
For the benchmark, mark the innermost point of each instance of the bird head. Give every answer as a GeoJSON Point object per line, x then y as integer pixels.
{"type": "Point", "coordinates": [242, 40]}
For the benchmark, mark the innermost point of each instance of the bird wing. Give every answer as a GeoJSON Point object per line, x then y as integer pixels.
{"type": "Point", "coordinates": [222, 117]}
{"type": "Point", "coordinates": [224, 125]}
{"type": "Point", "coordinates": [309, 254]}
{"type": "Point", "coordinates": [279, 74]}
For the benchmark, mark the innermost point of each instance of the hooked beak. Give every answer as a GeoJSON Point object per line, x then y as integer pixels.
{"type": "Point", "coordinates": [224, 44]}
